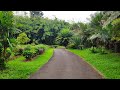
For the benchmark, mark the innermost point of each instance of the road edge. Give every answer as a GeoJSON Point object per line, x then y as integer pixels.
{"type": "Point", "coordinates": [44, 64]}
{"type": "Point", "coordinates": [103, 77]}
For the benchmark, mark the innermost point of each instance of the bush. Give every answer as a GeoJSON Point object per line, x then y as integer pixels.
{"type": "Point", "coordinates": [18, 51]}
{"type": "Point", "coordinates": [28, 47]}
{"type": "Point", "coordinates": [32, 51]}
{"type": "Point", "coordinates": [22, 38]}
{"type": "Point", "coordinates": [27, 54]}
{"type": "Point", "coordinates": [41, 51]}
{"type": "Point", "coordinates": [13, 41]}
{"type": "Point", "coordinates": [102, 50]}
{"type": "Point", "coordinates": [76, 42]}
{"type": "Point", "coordinates": [54, 46]}
{"type": "Point", "coordinates": [93, 50]}
{"type": "Point", "coordinates": [42, 47]}
{"type": "Point", "coordinates": [71, 46]}
{"type": "Point", "coordinates": [80, 47]}
{"type": "Point", "coordinates": [61, 47]}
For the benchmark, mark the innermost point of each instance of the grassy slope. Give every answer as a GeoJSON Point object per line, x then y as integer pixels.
{"type": "Point", "coordinates": [107, 64]}
{"type": "Point", "coordinates": [17, 69]}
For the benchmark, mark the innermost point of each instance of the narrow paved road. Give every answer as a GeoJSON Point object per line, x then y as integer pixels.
{"type": "Point", "coordinates": [66, 65]}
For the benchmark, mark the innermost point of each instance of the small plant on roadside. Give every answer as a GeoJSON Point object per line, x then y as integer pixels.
{"type": "Point", "coordinates": [71, 45]}
{"type": "Point", "coordinates": [20, 51]}
{"type": "Point", "coordinates": [93, 49]}
{"type": "Point", "coordinates": [27, 54]}
{"type": "Point", "coordinates": [102, 50]}
{"type": "Point", "coordinates": [31, 51]}
{"type": "Point", "coordinates": [80, 47]}
{"type": "Point", "coordinates": [41, 51]}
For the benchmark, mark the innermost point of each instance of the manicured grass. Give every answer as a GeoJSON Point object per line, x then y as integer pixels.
{"type": "Point", "coordinates": [107, 64]}
{"type": "Point", "coordinates": [17, 69]}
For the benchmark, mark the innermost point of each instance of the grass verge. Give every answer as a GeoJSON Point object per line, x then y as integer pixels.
{"type": "Point", "coordinates": [107, 64]}
{"type": "Point", "coordinates": [17, 69]}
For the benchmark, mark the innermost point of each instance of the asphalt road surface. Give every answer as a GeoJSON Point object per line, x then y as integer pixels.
{"type": "Point", "coordinates": [66, 65]}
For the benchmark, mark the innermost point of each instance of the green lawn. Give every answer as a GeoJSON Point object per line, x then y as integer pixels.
{"type": "Point", "coordinates": [107, 64]}
{"type": "Point", "coordinates": [17, 69]}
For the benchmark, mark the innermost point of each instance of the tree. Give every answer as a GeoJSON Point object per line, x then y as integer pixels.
{"type": "Point", "coordinates": [111, 15]}
{"type": "Point", "coordinates": [6, 24]}
{"type": "Point", "coordinates": [75, 41]}
{"type": "Point", "coordinates": [36, 13]}
{"type": "Point", "coordinates": [82, 31]}
{"type": "Point", "coordinates": [100, 35]}
{"type": "Point", "coordinates": [112, 24]}
{"type": "Point", "coordinates": [64, 37]}
{"type": "Point", "coordinates": [22, 38]}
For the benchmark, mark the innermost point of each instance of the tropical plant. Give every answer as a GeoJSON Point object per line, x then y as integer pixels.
{"type": "Point", "coordinates": [76, 42]}
{"type": "Point", "coordinates": [6, 24]}
{"type": "Point", "coordinates": [64, 37]}
{"type": "Point", "coordinates": [22, 38]}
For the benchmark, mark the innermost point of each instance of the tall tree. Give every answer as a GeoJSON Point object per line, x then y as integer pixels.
{"type": "Point", "coordinates": [6, 24]}
{"type": "Point", "coordinates": [64, 37]}
{"type": "Point", "coordinates": [36, 13]}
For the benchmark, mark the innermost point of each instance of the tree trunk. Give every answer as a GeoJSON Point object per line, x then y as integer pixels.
{"type": "Point", "coordinates": [4, 51]}
{"type": "Point", "coordinates": [115, 47]}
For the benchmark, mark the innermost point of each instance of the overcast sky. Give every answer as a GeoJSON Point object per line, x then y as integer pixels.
{"type": "Point", "coordinates": [69, 15]}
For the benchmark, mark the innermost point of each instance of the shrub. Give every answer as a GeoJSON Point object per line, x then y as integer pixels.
{"type": "Point", "coordinates": [93, 49]}
{"type": "Point", "coordinates": [28, 47]}
{"type": "Point", "coordinates": [71, 46]}
{"type": "Point", "coordinates": [55, 46]}
{"type": "Point", "coordinates": [42, 47]}
{"type": "Point", "coordinates": [76, 42]}
{"type": "Point", "coordinates": [36, 49]}
{"type": "Point", "coordinates": [27, 54]}
{"type": "Point", "coordinates": [41, 51]}
{"type": "Point", "coordinates": [13, 41]}
{"type": "Point", "coordinates": [22, 38]}
{"type": "Point", "coordinates": [102, 50]}
{"type": "Point", "coordinates": [32, 51]}
{"type": "Point", "coordinates": [18, 51]}
{"type": "Point", "coordinates": [61, 47]}
{"type": "Point", "coordinates": [80, 47]}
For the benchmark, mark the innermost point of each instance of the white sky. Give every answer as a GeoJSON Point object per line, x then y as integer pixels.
{"type": "Point", "coordinates": [69, 15]}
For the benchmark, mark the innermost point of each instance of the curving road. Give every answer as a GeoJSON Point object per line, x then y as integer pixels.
{"type": "Point", "coordinates": [66, 65]}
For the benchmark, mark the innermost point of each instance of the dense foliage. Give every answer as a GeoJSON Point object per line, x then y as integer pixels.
{"type": "Point", "coordinates": [6, 24]}
{"type": "Point", "coordinates": [101, 32]}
